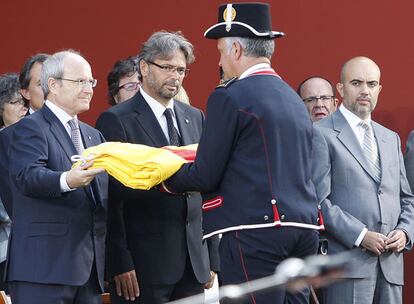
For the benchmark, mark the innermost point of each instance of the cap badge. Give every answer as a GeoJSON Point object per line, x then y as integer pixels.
{"type": "Point", "coordinates": [229, 15]}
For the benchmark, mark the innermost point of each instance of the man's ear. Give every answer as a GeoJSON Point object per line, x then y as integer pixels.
{"type": "Point", "coordinates": [25, 93]}
{"type": "Point", "coordinates": [53, 85]}
{"type": "Point", "coordinates": [143, 66]}
{"type": "Point", "coordinates": [237, 50]}
{"type": "Point", "coordinates": [336, 103]}
{"type": "Point", "coordinates": [340, 89]}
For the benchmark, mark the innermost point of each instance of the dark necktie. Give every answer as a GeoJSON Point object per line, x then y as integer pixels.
{"type": "Point", "coordinates": [370, 150]}
{"type": "Point", "coordinates": [172, 131]}
{"type": "Point", "coordinates": [75, 135]}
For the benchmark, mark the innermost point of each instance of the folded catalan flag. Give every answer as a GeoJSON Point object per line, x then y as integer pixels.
{"type": "Point", "coordinates": [138, 166]}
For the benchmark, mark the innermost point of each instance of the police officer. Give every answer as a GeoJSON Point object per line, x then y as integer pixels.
{"type": "Point", "coordinates": [253, 160]}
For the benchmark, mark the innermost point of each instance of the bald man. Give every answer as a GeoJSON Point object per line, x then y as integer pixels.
{"type": "Point", "coordinates": [363, 191]}
{"type": "Point", "coordinates": [318, 94]}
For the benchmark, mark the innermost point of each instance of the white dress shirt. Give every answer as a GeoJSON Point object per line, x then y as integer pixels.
{"type": "Point", "coordinates": [158, 109]}
{"type": "Point", "coordinates": [63, 118]}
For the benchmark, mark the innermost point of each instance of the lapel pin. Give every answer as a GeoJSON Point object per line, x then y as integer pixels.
{"type": "Point", "coordinates": [90, 138]}
{"type": "Point", "coordinates": [187, 121]}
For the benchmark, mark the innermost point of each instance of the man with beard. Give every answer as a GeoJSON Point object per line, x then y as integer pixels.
{"type": "Point", "coordinates": [364, 194]}
{"type": "Point", "coordinates": [155, 248]}
{"type": "Point", "coordinates": [318, 94]}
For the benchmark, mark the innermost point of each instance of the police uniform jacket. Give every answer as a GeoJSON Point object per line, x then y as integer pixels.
{"type": "Point", "coordinates": [253, 162]}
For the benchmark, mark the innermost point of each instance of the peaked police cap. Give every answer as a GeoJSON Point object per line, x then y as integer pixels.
{"type": "Point", "coordinates": [249, 20]}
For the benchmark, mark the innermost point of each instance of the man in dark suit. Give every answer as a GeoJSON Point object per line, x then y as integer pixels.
{"type": "Point", "coordinates": [253, 161]}
{"type": "Point", "coordinates": [59, 213]}
{"type": "Point", "coordinates": [365, 197]}
{"type": "Point", "coordinates": [154, 238]}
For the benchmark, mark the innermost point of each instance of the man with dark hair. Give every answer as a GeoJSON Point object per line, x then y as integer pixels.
{"type": "Point", "coordinates": [318, 94]}
{"type": "Point", "coordinates": [30, 82]}
{"type": "Point", "coordinates": [253, 160]}
{"type": "Point", "coordinates": [366, 200]}
{"type": "Point", "coordinates": [155, 248]}
{"type": "Point", "coordinates": [123, 81]}
{"type": "Point", "coordinates": [57, 250]}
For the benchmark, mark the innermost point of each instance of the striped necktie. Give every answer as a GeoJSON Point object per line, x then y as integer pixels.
{"type": "Point", "coordinates": [370, 149]}
{"type": "Point", "coordinates": [75, 135]}
{"type": "Point", "coordinates": [172, 131]}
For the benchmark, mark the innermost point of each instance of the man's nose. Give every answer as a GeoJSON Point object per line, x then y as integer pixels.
{"type": "Point", "coordinates": [88, 88]}
{"type": "Point", "coordinates": [319, 102]}
{"type": "Point", "coordinates": [364, 89]}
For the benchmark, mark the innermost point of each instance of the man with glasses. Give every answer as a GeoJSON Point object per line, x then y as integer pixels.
{"type": "Point", "coordinates": [123, 82]}
{"type": "Point", "coordinates": [56, 254]}
{"type": "Point", "coordinates": [155, 248]}
{"type": "Point", "coordinates": [318, 94]}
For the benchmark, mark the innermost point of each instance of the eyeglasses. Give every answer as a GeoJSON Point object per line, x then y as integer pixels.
{"type": "Point", "coordinates": [82, 82]}
{"type": "Point", "coordinates": [17, 101]}
{"type": "Point", "coordinates": [172, 69]}
{"type": "Point", "coordinates": [130, 86]}
{"type": "Point", "coordinates": [314, 99]}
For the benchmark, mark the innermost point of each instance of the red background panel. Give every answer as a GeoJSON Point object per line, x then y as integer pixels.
{"type": "Point", "coordinates": [321, 36]}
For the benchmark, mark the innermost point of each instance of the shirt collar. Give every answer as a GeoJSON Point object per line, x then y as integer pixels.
{"type": "Point", "coordinates": [351, 118]}
{"type": "Point", "coordinates": [253, 68]}
{"type": "Point", "coordinates": [59, 112]}
{"type": "Point", "coordinates": [157, 108]}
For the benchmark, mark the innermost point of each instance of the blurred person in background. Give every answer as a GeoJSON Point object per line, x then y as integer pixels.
{"type": "Point", "coordinates": [12, 105]}
{"type": "Point", "coordinates": [318, 95]}
{"type": "Point", "coordinates": [123, 82]}
{"type": "Point", "coordinates": [12, 109]}
{"type": "Point", "coordinates": [30, 82]}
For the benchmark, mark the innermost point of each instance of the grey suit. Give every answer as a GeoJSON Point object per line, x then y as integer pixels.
{"type": "Point", "coordinates": [351, 199]}
{"type": "Point", "coordinates": [409, 159]}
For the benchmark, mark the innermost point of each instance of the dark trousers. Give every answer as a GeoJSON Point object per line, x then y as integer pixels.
{"type": "Point", "coordinates": [156, 294]}
{"type": "Point", "coordinates": [37, 293]}
{"type": "Point", "coordinates": [247, 255]}
{"type": "Point", "coordinates": [3, 284]}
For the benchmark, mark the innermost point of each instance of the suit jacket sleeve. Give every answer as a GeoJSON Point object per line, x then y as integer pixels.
{"type": "Point", "coordinates": [28, 162]}
{"type": "Point", "coordinates": [406, 220]}
{"type": "Point", "coordinates": [118, 256]}
{"type": "Point", "coordinates": [409, 159]}
{"type": "Point", "coordinates": [214, 151]}
{"type": "Point", "coordinates": [342, 225]}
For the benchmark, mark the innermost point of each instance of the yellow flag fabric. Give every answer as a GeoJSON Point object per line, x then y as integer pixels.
{"type": "Point", "coordinates": [138, 166]}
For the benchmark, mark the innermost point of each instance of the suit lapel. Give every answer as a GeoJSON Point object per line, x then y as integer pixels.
{"type": "Point", "coordinates": [59, 132]}
{"type": "Point", "coordinates": [184, 123]}
{"type": "Point", "coordinates": [347, 137]}
{"type": "Point", "coordinates": [88, 139]}
{"type": "Point", "coordinates": [148, 122]}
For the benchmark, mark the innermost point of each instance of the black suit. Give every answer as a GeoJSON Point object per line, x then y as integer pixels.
{"type": "Point", "coordinates": [149, 231]}
{"type": "Point", "coordinates": [57, 238]}
{"type": "Point", "coordinates": [6, 192]}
